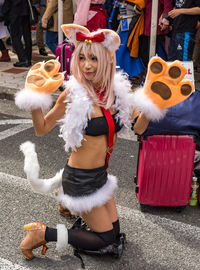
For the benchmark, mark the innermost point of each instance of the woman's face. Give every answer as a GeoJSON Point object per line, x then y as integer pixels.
{"type": "Point", "coordinates": [88, 65]}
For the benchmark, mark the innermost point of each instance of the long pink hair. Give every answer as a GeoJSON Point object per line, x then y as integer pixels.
{"type": "Point", "coordinates": [105, 72]}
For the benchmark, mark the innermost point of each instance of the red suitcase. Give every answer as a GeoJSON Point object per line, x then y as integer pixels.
{"type": "Point", "coordinates": [164, 173]}
{"type": "Point", "coordinates": [64, 53]}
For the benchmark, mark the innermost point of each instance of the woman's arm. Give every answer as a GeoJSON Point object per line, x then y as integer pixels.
{"type": "Point", "coordinates": [184, 11]}
{"type": "Point", "coordinates": [51, 7]}
{"type": "Point", "coordinates": [81, 15]}
{"type": "Point", "coordinates": [43, 124]}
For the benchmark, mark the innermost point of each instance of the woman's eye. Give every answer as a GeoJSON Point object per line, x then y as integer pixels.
{"type": "Point", "coordinates": [81, 57]}
{"type": "Point", "coordinates": [94, 58]}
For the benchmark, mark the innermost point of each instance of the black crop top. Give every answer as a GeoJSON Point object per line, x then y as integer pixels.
{"type": "Point", "coordinates": [98, 126]}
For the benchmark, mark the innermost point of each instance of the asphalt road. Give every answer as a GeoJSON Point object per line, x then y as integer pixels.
{"type": "Point", "coordinates": [159, 239]}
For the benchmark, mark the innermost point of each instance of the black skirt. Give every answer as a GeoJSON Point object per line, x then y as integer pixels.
{"type": "Point", "coordinates": [82, 182]}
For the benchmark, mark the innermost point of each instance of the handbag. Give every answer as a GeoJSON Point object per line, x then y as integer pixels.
{"type": "Point", "coordinates": [34, 15]}
{"type": "Point", "coordinates": [50, 22]}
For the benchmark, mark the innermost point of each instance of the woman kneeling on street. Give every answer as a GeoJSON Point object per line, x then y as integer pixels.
{"type": "Point", "coordinates": [97, 104]}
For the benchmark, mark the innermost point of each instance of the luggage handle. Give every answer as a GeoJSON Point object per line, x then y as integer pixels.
{"type": "Point", "coordinates": [68, 67]}
{"type": "Point", "coordinates": [63, 57]}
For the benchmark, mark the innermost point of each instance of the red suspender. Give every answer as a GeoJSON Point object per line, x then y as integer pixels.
{"type": "Point", "coordinates": [111, 132]}
{"type": "Point", "coordinates": [111, 126]}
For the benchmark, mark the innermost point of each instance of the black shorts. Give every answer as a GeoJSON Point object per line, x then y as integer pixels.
{"type": "Point", "coordinates": [81, 182]}
{"type": "Point", "coordinates": [84, 189]}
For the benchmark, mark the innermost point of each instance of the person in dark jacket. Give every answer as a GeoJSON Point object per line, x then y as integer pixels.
{"type": "Point", "coordinates": [18, 18]}
{"type": "Point", "coordinates": [182, 118]}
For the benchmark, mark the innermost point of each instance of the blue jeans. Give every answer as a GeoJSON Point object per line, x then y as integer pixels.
{"type": "Point", "coordinates": [181, 46]}
{"type": "Point", "coordinates": [52, 40]}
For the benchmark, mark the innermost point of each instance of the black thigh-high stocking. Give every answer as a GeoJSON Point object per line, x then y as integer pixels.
{"type": "Point", "coordinates": [116, 228]}
{"type": "Point", "coordinates": [83, 239]}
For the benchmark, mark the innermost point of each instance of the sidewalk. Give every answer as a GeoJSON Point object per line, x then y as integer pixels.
{"type": "Point", "coordinates": [12, 79]}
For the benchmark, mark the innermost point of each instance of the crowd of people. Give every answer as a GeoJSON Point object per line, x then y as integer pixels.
{"type": "Point", "coordinates": [177, 28]}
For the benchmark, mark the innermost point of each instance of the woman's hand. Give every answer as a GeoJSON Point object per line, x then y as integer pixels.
{"type": "Point", "coordinates": [42, 80]}
{"type": "Point", "coordinates": [163, 23]}
{"type": "Point", "coordinates": [174, 13]}
{"type": "Point", "coordinates": [44, 77]}
{"type": "Point", "coordinates": [44, 25]}
{"type": "Point", "coordinates": [164, 87]}
{"type": "Point", "coordinates": [141, 122]}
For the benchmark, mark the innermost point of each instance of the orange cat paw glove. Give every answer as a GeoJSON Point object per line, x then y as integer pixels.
{"type": "Point", "coordinates": [42, 80]}
{"type": "Point", "coordinates": [164, 87]}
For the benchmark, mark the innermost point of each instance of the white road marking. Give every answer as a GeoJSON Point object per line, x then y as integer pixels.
{"type": "Point", "coordinates": [27, 123]}
{"type": "Point", "coordinates": [129, 136]}
{"type": "Point", "coordinates": [187, 230]}
{"type": "Point", "coordinates": [161, 241]}
{"type": "Point", "coordinates": [15, 121]}
{"type": "Point", "coordinates": [21, 125]}
{"type": "Point", "coordinates": [7, 265]}
{"type": "Point", "coordinates": [12, 131]}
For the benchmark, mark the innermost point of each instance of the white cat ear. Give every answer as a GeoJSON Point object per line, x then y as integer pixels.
{"type": "Point", "coordinates": [70, 31]}
{"type": "Point", "coordinates": [111, 39]}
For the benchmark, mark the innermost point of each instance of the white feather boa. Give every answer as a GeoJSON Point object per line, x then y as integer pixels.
{"type": "Point", "coordinates": [80, 108]}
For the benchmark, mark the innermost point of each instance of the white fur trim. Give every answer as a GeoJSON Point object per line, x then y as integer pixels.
{"type": "Point", "coordinates": [32, 168]}
{"type": "Point", "coordinates": [62, 237]}
{"type": "Point", "coordinates": [82, 204]}
{"type": "Point", "coordinates": [27, 100]}
{"type": "Point", "coordinates": [146, 106]}
{"type": "Point", "coordinates": [78, 111]}
{"type": "Point", "coordinates": [124, 100]}
{"type": "Point", "coordinates": [110, 42]}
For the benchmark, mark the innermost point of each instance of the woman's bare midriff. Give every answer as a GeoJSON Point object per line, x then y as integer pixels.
{"type": "Point", "coordinates": [91, 154]}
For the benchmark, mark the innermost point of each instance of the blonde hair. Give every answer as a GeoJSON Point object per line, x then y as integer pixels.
{"type": "Point", "coordinates": [105, 72]}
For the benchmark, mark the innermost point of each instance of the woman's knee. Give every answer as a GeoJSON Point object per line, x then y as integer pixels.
{"type": "Point", "coordinates": [98, 219]}
{"type": "Point", "coordinates": [112, 209]}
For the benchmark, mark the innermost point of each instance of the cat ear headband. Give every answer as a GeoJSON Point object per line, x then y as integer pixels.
{"type": "Point", "coordinates": [76, 33]}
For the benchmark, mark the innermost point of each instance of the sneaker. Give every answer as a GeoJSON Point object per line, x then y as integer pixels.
{"type": "Point", "coordinates": [22, 64]}
{"type": "Point", "coordinates": [43, 52]}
